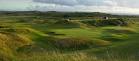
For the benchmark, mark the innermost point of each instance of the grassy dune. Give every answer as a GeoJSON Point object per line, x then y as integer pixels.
{"type": "Point", "coordinates": [33, 39]}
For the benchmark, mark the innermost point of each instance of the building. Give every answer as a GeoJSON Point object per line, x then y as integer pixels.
{"type": "Point", "coordinates": [106, 18]}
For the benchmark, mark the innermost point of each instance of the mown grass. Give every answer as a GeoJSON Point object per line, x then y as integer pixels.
{"type": "Point", "coordinates": [55, 41]}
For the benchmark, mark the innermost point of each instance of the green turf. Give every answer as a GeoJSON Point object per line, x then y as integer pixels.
{"type": "Point", "coordinates": [33, 41]}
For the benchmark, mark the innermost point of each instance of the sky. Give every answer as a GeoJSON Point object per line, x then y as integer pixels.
{"type": "Point", "coordinates": [107, 6]}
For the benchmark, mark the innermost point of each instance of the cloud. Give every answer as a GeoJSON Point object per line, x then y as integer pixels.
{"type": "Point", "coordinates": [128, 3]}
{"type": "Point", "coordinates": [121, 3]}
{"type": "Point", "coordinates": [108, 6]}
{"type": "Point", "coordinates": [77, 2]}
{"type": "Point", "coordinates": [105, 9]}
{"type": "Point", "coordinates": [59, 2]}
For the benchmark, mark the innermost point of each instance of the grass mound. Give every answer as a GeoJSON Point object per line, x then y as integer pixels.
{"type": "Point", "coordinates": [66, 24]}
{"type": "Point", "coordinates": [101, 43]}
{"type": "Point", "coordinates": [109, 22]}
{"type": "Point", "coordinates": [79, 43]}
{"type": "Point", "coordinates": [63, 22]}
{"type": "Point", "coordinates": [117, 33]}
{"type": "Point", "coordinates": [121, 30]}
{"type": "Point", "coordinates": [62, 40]}
{"type": "Point", "coordinates": [30, 49]}
{"type": "Point", "coordinates": [115, 37]}
{"type": "Point", "coordinates": [8, 48]}
{"type": "Point", "coordinates": [72, 43]}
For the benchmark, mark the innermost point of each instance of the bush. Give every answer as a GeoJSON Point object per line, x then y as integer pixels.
{"type": "Point", "coordinates": [109, 22]}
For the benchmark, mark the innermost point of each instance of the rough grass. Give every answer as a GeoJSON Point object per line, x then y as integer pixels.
{"type": "Point", "coordinates": [73, 43]}
{"type": "Point", "coordinates": [32, 42]}
{"type": "Point", "coordinates": [9, 44]}
{"type": "Point", "coordinates": [75, 56]}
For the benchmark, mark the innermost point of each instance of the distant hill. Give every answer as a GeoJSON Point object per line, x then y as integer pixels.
{"type": "Point", "coordinates": [61, 14]}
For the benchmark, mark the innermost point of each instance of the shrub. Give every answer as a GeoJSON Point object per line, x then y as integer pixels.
{"type": "Point", "coordinates": [109, 22]}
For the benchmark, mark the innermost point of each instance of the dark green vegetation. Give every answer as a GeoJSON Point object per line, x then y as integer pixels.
{"type": "Point", "coordinates": [34, 36]}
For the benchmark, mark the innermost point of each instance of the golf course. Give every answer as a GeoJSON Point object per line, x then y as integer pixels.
{"type": "Point", "coordinates": [68, 36]}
